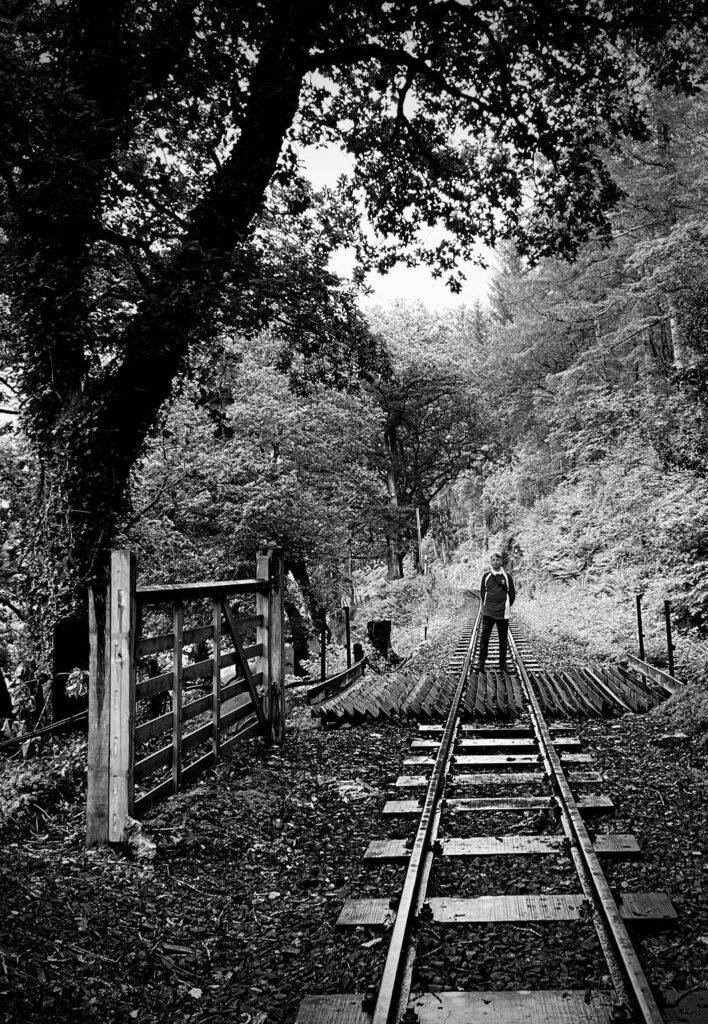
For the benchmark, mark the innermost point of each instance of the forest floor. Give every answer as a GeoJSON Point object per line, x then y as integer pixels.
{"type": "Point", "coordinates": [234, 917]}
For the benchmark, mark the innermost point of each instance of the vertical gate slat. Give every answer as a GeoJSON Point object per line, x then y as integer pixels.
{"type": "Point", "coordinates": [177, 641]}
{"type": "Point", "coordinates": [216, 678]}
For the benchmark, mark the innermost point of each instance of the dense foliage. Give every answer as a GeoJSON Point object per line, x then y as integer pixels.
{"type": "Point", "coordinates": [601, 370]}
{"type": "Point", "coordinates": [142, 141]}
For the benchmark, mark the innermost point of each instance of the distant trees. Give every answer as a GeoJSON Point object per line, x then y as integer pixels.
{"type": "Point", "coordinates": [140, 142]}
{"type": "Point", "coordinates": [603, 364]}
{"type": "Point", "coordinates": [432, 429]}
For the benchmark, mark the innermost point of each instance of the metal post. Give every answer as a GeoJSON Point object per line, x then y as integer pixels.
{"type": "Point", "coordinates": [640, 628]}
{"type": "Point", "coordinates": [323, 645]}
{"type": "Point", "coordinates": [669, 640]}
{"type": "Point", "coordinates": [348, 635]}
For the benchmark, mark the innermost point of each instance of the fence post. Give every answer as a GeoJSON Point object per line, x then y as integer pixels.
{"type": "Point", "coordinates": [122, 689]}
{"type": "Point", "coordinates": [323, 645]}
{"type": "Point", "coordinates": [669, 639]}
{"type": "Point", "coordinates": [216, 614]}
{"type": "Point", "coordinates": [276, 670]}
{"type": "Point", "coordinates": [177, 642]}
{"type": "Point", "coordinates": [263, 632]}
{"type": "Point", "coordinates": [640, 628]}
{"type": "Point", "coordinates": [99, 704]}
{"type": "Point", "coordinates": [347, 630]}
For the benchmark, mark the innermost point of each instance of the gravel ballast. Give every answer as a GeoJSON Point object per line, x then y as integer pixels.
{"type": "Point", "coordinates": [234, 918]}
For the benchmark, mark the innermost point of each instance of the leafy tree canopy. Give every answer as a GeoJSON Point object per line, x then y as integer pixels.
{"type": "Point", "coordinates": [140, 140]}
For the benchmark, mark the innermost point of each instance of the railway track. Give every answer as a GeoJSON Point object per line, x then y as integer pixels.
{"type": "Point", "coordinates": [531, 767]}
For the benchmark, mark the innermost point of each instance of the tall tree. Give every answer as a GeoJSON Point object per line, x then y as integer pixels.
{"type": "Point", "coordinates": [139, 141]}
{"type": "Point", "coordinates": [432, 427]}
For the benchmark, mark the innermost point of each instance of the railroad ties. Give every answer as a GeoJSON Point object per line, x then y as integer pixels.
{"type": "Point", "coordinates": [571, 692]}
{"type": "Point", "coordinates": [460, 774]}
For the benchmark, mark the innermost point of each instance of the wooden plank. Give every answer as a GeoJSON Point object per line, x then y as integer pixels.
{"type": "Point", "coordinates": [609, 694]}
{"type": "Point", "coordinates": [263, 634]}
{"type": "Point", "coordinates": [155, 796]}
{"type": "Point", "coordinates": [333, 1009]}
{"type": "Point", "coordinates": [651, 909]}
{"type": "Point", "coordinates": [581, 778]}
{"type": "Point", "coordinates": [122, 674]}
{"type": "Point", "coordinates": [197, 634]}
{"type": "Point", "coordinates": [62, 725]}
{"type": "Point", "coordinates": [247, 729]}
{"type": "Point", "coordinates": [507, 908]}
{"type": "Point", "coordinates": [153, 727]}
{"type": "Point", "coordinates": [509, 731]}
{"type": "Point", "coordinates": [498, 779]}
{"type": "Point", "coordinates": [153, 686]}
{"type": "Point", "coordinates": [610, 845]}
{"type": "Point", "coordinates": [243, 709]}
{"type": "Point", "coordinates": [503, 846]}
{"type": "Point", "coordinates": [514, 762]}
{"type": "Point", "coordinates": [177, 641]}
{"type": "Point", "coordinates": [418, 761]}
{"type": "Point", "coordinates": [99, 702]}
{"type": "Point", "coordinates": [198, 670]}
{"type": "Point", "coordinates": [474, 805]}
{"type": "Point", "coordinates": [585, 701]}
{"type": "Point", "coordinates": [190, 591]}
{"type": "Point", "coordinates": [196, 707]}
{"type": "Point", "coordinates": [245, 667]}
{"type": "Point", "coordinates": [193, 770]}
{"type": "Point", "coordinates": [216, 612]}
{"type": "Point", "coordinates": [648, 910]}
{"type": "Point", "coordinates": [366, 913]}
{"type": "Point", "coordinates": [515, 745]}
{"type": "Point", "coordinates": [153, 762]}
{"type": "Point", "coordinates": [233, 689]}
{"type": "Point", "coordinates": [411, 781]}
{"type": "Point", "coordinates": [667, 683]}
{"type": "Point", "coordinates": [197, 736]}
{"type": "Point", "coordinates": [276, 679]}
{"type": "Point", "coordinates": [387, 851]}
{"type": "Point", "coordinates": [523, 1007]}
{"type": "Point", "coordinates": [337, 683]}
{"type": "Point", "coordinates": [402, 808]}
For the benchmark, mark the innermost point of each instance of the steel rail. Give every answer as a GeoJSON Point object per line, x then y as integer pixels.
{"type": "Point", "coordinates": [395, 981]}
{"type": "Point", "coordinates": [636, 985]}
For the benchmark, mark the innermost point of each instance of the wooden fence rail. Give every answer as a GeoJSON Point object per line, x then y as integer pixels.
{"type": "Point", "coordinates": [336, 683]}
{"type": "Point", "coordinates": [139, 751]}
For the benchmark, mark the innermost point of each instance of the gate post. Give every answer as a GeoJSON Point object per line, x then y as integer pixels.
{"type": "Point", "coordinates": [640, 628]}
{"type": "Point", "coordinates": [99, 703]}
{"type": "Point", "coordinates": [275, 646]}
{"type": "Point", "coordinates": [263, 633]}
{"type": "Point", "coordinates": [122, 690]}
{"type": "Point", "coordinates": [271, 663]}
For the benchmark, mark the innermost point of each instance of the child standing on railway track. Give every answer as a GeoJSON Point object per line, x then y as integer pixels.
{"type": "Point", "coordinates": [497, 594]}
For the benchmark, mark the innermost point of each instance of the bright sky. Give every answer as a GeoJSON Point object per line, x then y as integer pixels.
{"type": "Point", "coordinates": [323, 167]}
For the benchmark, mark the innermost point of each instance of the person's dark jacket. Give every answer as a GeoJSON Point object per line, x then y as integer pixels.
{"type": "Point", "coordinates": [498, 593]}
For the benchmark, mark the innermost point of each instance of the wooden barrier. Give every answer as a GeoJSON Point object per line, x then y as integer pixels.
{"type": "Point", "coordinates": [337, 683]}
{"type": "Point", "coordinates": [663, 679]}
{"type": "Point", "coordinates": [132, 677]}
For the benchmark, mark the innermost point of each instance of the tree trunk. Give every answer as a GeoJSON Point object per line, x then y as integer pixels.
{"type": "Point", "coordinates": [91, 401]}
{"type": "Point", "coordinates": [379, 633]}
{"type": "Point", "coordinates": [393, 557]}
{"type": "Point", "coordinates": [300, 633]}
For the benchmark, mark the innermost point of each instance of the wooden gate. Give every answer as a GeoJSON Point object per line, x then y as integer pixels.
{"type": "Point", "coordinates": [156, 668]}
